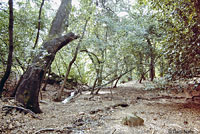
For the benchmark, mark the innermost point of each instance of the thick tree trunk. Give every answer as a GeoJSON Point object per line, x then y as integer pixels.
{"type": "Point", "coordinates": [28, 89]}
{"type": "Point", "coordinates": [60, 22]}
{"type": "Point", "coordinates": [9, 62]}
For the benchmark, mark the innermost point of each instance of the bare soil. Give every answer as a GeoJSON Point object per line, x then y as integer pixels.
{"type": "Point", "coordinates": [163, 113]}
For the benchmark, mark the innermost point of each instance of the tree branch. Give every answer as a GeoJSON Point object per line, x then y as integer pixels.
{"type": "Point", "coordinates": [39, 21]}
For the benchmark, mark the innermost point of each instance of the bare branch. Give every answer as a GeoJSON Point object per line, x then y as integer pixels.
{"type": "Point", "coordinates": [39, 21]}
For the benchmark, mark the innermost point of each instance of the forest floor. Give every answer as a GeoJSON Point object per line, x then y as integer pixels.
{"type": "Point", "coordinates": [162, 112]}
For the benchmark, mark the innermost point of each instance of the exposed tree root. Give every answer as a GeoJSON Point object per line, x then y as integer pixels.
{"type": "Point", "coordinates": [8, 109]}
{"type": "Point", "coordinates": [68, 130]}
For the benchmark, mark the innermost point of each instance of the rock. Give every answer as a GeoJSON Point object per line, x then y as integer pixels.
{"type": "Point", "coordinates": [10, 126]}
{"type": "Point", "coordinates": [81, 113]}
{"type": "Point", "coordinates": [132, 121]}
{"type": "Point", "coordinates": [17, 124]}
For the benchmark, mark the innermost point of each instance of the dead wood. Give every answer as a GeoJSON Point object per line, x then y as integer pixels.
{"type": "Point", "coordinates": [8, 108]}
{"type": "Point", "coordinates": [160, 97]}
{"type": "Point", "coordinates": [52, 129]}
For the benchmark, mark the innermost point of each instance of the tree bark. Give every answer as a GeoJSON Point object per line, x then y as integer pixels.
{"type": "Point", "coordinates": [10, 55]}
{"type": "Point", "coordinates": [140, 67]}
{"type": "Point", "coordinates": [61, 19]}
{"type": "Point", "coordinates": [29, 87]}
{"type": "Point", "coordinates": [27, 90]}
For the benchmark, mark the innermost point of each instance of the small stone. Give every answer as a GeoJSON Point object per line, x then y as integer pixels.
{"type": "Point", "coordinates": [10, 126]}
{"type": "Point", "coordinates": [8, 121]}
{"type": "Point", "coordinates": [81, 113]}
{"type": "Point", "coordinates": [17, 124]}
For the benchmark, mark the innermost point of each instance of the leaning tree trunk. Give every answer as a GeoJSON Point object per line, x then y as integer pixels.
{"type": "Point", "coordinates": [28, 89]}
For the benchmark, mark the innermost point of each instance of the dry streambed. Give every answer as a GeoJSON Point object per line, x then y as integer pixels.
{"type": "Point", "coordinates": [103, 114]}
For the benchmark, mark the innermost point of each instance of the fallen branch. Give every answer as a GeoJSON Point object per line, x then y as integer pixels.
{"type": "Point", "coordinates": [8, 108]}
{"type": "Point", "coordinates": [116, 78]}
{"type": "Point", "coordinates": [46, 129]}
{"type": "Point", "coordinates": [114, 131]}
{"type": "Point", "coordinates": [69, 129]}
{"type": "Point", "coordinates": [159, 97]}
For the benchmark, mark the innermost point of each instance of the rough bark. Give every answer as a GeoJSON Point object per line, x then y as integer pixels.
{"type": "Point", "coordinates": [29, 87]}
{"type": "Point", "coordinates": [46, 81]}
{"type": "Point", "coordinates": [61, 19]}
{"type": "Point", "coordinates": [10, 55]}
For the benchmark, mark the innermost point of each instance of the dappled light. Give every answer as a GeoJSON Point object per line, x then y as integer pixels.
{"type": "Point", "coordinates": [99, 66]}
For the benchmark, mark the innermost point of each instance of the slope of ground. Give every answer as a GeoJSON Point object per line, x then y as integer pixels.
{"type": "Point", "coordinates": [102, 114]}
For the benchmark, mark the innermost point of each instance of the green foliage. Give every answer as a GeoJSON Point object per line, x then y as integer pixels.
{"type": "Point", "coordinates": [119, 36]}
{"type": "Point", "coordinates": [180, 22]}
{"type": "Point", "coordinates": [25, 29]}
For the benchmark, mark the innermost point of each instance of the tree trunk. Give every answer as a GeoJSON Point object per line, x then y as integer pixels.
{"type": "Point", "coordinates": [96, 66]}
{"type": "Point", "coordinates": [29, 87]}
{"type": "Point", "coordinates": [141, 68]}
{"type": "Point", "coordinates": [152, 60]}
{"type": "Point", "coordinates": [60, 22]}
{"type": "Point", "coordinates": [58, 98]}
{"type": "Point", "coordinates": [9, 62]}
{"type": "Point", "coordinates": [45, 80]}
{"type": "Point", "coordinates": [161, 67]}
{"type": "Point", "coordinates": [27, 91]}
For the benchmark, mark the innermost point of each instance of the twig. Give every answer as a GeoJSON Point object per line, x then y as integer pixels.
{"type": "Point", "coordinates": [54, 129]}
{"type": "Point", "coordinates": [45, 129]}
{"type": "Point", "coordinates": [114, 131]}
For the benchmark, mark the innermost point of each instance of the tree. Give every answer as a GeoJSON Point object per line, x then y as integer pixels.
{"type": "Point", "coordinates": [30, 82]}
{"type": "Point", "coordinates": [180, 22]}
{"type": "Point", "coordinates": [58, 97]}
{"type": "Point", "coordinates": [10, 55]}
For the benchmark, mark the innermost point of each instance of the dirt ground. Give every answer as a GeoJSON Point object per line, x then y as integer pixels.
{"type": "Point", "coordinates": [163, 113]}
